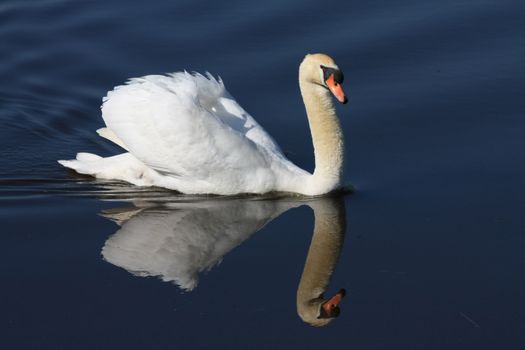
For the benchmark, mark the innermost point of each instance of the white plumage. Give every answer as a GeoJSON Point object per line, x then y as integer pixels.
{"type": "Point", "coordinates": [186, 133]}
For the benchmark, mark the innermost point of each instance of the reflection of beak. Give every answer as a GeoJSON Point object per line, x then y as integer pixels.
{"type": "Point", "coordinates": [331, 306]}
{"type": "Point", "coordinates": [336, 89]}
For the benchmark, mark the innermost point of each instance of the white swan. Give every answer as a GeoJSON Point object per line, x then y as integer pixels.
{"type": "Point", "coordinates": [185, 132]}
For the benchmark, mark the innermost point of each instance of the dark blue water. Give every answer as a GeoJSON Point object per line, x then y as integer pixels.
{"type": "Point", "coordinates": [430, 247]}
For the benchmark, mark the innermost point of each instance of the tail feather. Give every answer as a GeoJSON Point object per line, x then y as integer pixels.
{"type": "Point", "coordinates": [85, 163]}
{"type": "Point", "coordinates": [123, 167]}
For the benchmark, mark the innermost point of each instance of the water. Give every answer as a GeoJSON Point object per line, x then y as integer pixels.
{"type": "Point", "coordinates": [431, 255]}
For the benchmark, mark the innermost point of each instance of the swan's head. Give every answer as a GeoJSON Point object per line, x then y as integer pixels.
{"type": "Point", "coordinates": [320, 69]}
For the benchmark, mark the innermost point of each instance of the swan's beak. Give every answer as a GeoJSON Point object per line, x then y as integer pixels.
{"type": "Point", "coordinates": [331, 306]}
{"type": "Point", "coordinates": [336, 89]}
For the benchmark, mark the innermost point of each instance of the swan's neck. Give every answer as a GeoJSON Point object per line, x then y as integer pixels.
{"type": "Point", "coordinates": [327, 138]}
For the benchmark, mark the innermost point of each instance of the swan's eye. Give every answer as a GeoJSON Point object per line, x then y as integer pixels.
{"type": "Point", "coordinates": [338, 75]}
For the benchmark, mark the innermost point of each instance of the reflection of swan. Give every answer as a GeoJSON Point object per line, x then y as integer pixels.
{"type": "Point", "coordinates": [181, 240]}
{"type": "Point", "coordinates": [327, 240]}
{"type": "Point", "coordinates": [185, 132]}
{"type": "Point", "coordinates": [178, 242]}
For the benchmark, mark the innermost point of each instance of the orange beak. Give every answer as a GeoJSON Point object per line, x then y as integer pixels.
{"type": "Point", "coordinates": [331, 304]}
{"type": "Point", "coordinates": [336, 89]}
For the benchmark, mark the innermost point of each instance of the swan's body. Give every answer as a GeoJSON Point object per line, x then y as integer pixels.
{"type": "Point", "coordinates": [185, 132]}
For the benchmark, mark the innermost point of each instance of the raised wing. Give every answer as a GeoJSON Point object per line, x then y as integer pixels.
{"type": "Point", "coordinates": [187, 125]}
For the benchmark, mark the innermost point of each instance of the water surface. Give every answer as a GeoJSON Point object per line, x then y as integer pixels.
{"type": "Point", "coordinates": [431, 255]}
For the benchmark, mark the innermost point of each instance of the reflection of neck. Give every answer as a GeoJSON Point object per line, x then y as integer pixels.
{"type": "Point", "coordinates": [329, 230]}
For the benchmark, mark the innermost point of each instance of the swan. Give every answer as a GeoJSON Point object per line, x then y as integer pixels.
{"type": "Point", "coordinates": [185, 132]}
{"type": "Point", "coordinates": [178, 241]}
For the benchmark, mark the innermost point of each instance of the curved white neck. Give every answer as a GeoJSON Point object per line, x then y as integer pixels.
{"type": "Point", "coordinates": [327, 138]}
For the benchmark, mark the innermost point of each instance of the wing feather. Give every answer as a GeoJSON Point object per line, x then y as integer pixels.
{"type": "Point", "coordinates": [187, 125]}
